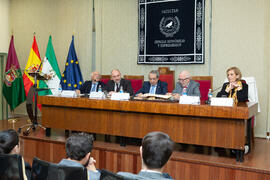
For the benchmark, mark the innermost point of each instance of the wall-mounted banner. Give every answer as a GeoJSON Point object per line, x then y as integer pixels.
{"type": "Point", "coordinates": [171, 32]}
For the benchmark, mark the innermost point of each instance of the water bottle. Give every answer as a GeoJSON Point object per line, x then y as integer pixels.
{"type": "Point", "coordinates": [59, 90]}
{"type": "Point", "coordinates": [184, 92]}
{"type": "Point", "coordinates": [121, 89]}
{"type": "Point", "coordinates": [210, 95]}
{"type": "Point", "coordinates": [99, 88]}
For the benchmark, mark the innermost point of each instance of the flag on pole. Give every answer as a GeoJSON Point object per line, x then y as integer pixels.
{"type": "Point", "coordinates": [71, 78]}
{"type": "Point", "coordinates": [51, 69]}
{"type": "Point", "coordinates": [32, 65]}
{"type": "Point", "coordinates": [13, 89]}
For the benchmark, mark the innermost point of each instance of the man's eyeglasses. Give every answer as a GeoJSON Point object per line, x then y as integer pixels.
{"type": "Point", "coordinates": [182, 79]}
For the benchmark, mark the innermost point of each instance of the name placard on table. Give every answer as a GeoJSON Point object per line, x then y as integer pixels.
{"type": "Point", "coordinates": [120, 96]}
{"type": "Point", "coordinates": [189, 100]}
{"type": "Point", "coordinates": [221, 101]}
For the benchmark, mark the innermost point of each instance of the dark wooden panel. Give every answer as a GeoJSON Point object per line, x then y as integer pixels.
{"type": "Point", "coordinates": [182, 165]}
{"type": "Point", "coordinates": [137, 118]}
{"type": "Point", "coordinates": [240, 111]}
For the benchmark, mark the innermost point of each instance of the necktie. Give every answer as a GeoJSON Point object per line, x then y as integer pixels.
{"type": "Point", "coordinates": [152, 90]}
{"type": "Point", "coordinates": [117, 87]}
{"type": "Point", "coordinates": [94, 87]}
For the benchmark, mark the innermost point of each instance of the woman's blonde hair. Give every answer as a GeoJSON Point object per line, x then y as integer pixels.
{"type": "Point", "coordinates": [237, 71]}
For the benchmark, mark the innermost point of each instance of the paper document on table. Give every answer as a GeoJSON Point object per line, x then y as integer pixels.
{"type": "Point", "coordinates": [156, 96]}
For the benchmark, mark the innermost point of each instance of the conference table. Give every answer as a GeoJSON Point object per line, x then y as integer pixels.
{"type": "Point", "coordinates": [215, 126]}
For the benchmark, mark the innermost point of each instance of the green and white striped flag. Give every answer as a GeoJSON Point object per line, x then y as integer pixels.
{"type": "Point", "coordinates": [51, 68]}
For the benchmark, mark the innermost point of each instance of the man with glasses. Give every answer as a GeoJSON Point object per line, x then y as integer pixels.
{"type": "Point", "coordinates": [117, 83]}
{"type": "Point", "coordinates": [191, 87]}
{"type": "Point", "coordinates": [154, 85]}
{"type": "Point", "coordinates": [91, 86]}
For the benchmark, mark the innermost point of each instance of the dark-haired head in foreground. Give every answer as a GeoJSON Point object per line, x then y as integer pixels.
{"type": "Point", "coordinates": [79, 147]}
{"type": "Point", "coordinates": [156, 150]}
{"type": "Point", "coordinates": [9, 142]}
{"type": "Point", "coordinates": [78, 150]}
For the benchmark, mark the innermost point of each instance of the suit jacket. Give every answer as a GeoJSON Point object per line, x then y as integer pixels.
{"type": "Point", "coordinates": [162, 88]}
{"type": "Point", "coordinates": [126, 84]}
{"type": "Point", "coordinates": [87, 85]}
{"type": "Point", "coordinates": [91, 174]}
{"type": "Point", "coordinates": [242, 95]}
{"type": "Point", "coordinates": [145, 175]}
{"type": "Point", "coordinates": [193, 88]}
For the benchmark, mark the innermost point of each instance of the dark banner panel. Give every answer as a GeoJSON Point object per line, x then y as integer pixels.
{"type": "Point", "coordinates": [171, 32]}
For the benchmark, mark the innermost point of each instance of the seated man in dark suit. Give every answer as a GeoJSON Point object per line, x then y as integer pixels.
{"type": "Point", "coordinates": [154, 85]}
{"type": "Point", "coordinates": [78, 149]}
{"type": "Point", "coordinates": [155, 152]}
{"type": "Point", "coordinates": [117, 83]}
{"type": "Point", "coordinates": [93, 85]}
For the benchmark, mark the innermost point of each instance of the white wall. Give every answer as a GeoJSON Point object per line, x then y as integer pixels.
{"type": "Point", "coordinates": [4, 30]}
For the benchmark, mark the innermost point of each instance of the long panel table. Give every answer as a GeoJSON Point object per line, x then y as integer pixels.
{"type": "Point", "coordinates": [206, 125]}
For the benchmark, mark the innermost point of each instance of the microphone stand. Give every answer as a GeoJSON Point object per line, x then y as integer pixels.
{"type": "Point", "coordinates": [33, 92]}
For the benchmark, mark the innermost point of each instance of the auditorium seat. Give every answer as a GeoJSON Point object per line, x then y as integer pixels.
{"type": "Point", "coordinates": [105, 78]}
{"type": "Point", "coordinates": [167, 76]}
{"type": "Point", "coordinates": [12, 167]}
{"type": "Point", "coordinates": [136, 81]}
{"type": "Point", "coordinates": [107, 175]}
{"type": "Point", "coordinates": [43, 170]}
{"type": "Point", "coordinates": [206, 83]}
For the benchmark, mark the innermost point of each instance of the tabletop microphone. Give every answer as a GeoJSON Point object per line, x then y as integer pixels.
{"type": "Point", "coordinates": [214, 90]}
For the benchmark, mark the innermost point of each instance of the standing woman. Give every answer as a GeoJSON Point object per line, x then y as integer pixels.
{"type": "Point", "coordinates": [235, 88]}
{"type": "Point", "coordinates": [9, 144]}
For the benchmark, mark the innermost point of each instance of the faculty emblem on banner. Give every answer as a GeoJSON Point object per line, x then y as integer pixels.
{"type": "Point", "coordinates": [169, 26]}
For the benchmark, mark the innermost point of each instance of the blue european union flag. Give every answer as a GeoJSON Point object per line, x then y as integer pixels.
{"type": "Point", "coordinates": [71, 77]}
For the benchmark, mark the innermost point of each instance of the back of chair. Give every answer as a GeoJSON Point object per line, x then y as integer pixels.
{"type": "Point", "coordinates": [107, 175]}
{"type": "Point", "coordinates": [136, 81]}
{"type": "Point", "coordinates": [11, 167]}
{"type": "Point", "coordinates": [206, 83]}
{"type": "Point", "coordinates": [167, 76]}
{"type": "Point", "coordinates": [40, 169]}
{"type": "Point", "coordinates": [43, 170]}
{"type": "Point", "coordinates": [105, 78]}
{"type": "Point", "coordinates": [70, 173]}
{"type": "Point", "coordinates": [252, 90]}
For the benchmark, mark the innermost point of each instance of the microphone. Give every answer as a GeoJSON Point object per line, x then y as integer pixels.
{"type": "Point", "coordinates": [214, 90]}
{"type": "Point", "coordinates": [40, 66]}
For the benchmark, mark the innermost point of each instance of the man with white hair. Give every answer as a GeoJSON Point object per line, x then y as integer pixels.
{"type": "Point", "coordinates": [192, 88]}
{"type": "Point", "coordinates": [92, 85]}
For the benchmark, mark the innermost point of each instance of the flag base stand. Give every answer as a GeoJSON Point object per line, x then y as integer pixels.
{"type": "Point", "coordinates": [13, 120]}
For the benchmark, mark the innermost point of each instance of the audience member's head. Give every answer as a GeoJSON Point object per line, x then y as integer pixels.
{"type": "Point", "coordinates": [184, 78]}
{"type": "Point", "coordinates": [79, 147]}
{"type": "Point", "coordinates": [156, 150]}
{"type": "Point", "coordinates": [153, 77]}
{"type": "Point", "coordinates": [9, 142]}
{"type": "Point", "coordinates": [116, 75]}
{"type": "Point", "coordinates": [95, 76]}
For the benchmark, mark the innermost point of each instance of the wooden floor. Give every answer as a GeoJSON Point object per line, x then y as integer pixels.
{"type": "Point", "coordinates": [187, 161]}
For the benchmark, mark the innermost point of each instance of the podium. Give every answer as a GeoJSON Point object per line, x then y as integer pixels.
{"type": "Point", "coordinates": [33, 93]}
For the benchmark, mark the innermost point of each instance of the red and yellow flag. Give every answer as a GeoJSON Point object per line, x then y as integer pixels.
{"type": "Point", "coordinates": [31, 66]}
